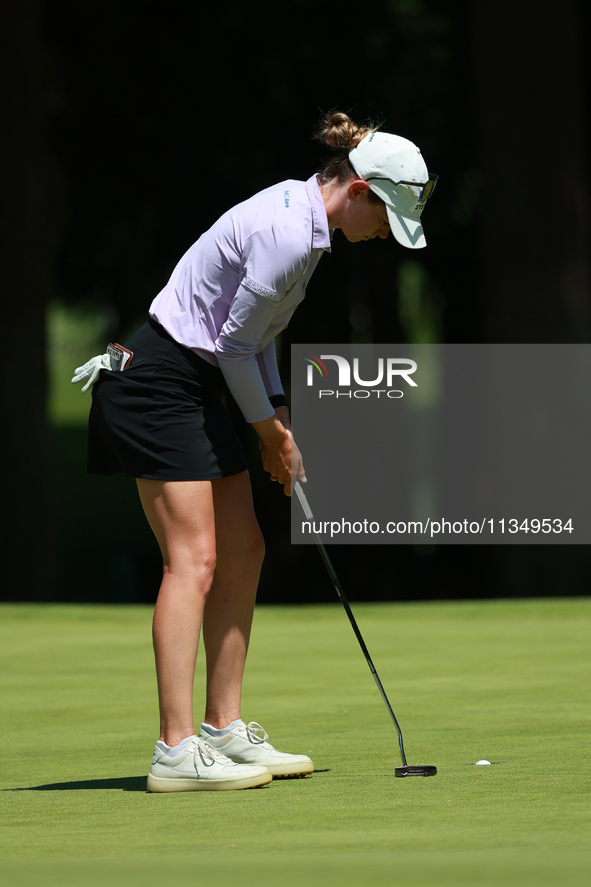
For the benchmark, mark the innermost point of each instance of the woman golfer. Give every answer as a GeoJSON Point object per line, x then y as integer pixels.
{"type": "Point", "coordinates": [159, 418]}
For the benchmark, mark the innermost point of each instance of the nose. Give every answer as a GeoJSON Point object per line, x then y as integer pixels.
{"type": "Point", "coordinates": [384, 231]}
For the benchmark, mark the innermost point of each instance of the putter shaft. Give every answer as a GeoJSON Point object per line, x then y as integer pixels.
{"type": "Point", "coordinates": [335, 581]}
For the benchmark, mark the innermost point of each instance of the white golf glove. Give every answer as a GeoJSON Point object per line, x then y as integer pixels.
{"type": "Point", "coordinates": [116, 357]}
{"type": "Point", "coordinates": [91, 369]}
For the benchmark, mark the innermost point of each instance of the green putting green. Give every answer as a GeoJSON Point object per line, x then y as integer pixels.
{"type": "Point", "coordinates": [507, 681]}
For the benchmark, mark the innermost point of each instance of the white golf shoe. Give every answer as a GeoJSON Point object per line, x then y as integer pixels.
{"type": "Point", "coordinates": [200, 767]}
{"type": "Point", "coordinates": [247, 744]}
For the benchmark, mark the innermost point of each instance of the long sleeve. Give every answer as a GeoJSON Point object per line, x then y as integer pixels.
{"type": "Point", "coordinates": [274, 266]}
{"type": "Point", "coordinates": [267, 360]}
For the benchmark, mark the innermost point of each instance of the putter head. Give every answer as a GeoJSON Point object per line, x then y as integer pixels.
{"type": "Point", "coordinates": [417, 770]}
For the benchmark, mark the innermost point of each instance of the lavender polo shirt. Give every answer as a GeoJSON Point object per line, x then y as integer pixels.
{"type": "Point", "coordinates": [237, 287]}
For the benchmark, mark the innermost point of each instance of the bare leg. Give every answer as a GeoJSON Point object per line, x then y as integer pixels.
{"type": "Point", "coordinates": [190, 519]}
{"type": "Point", "coordinates": [181, 516]}
{"type": "Point", "coordinates": [230, 605]}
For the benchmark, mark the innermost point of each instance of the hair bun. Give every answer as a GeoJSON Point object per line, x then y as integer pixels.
{"type": "Point", "coordinates": [341, 134]}
{"type": "Point", "coordinates": [338, 130]}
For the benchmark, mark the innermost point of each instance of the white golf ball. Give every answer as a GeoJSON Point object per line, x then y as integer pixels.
{"type": "Point", "coordinates": [482, 763]}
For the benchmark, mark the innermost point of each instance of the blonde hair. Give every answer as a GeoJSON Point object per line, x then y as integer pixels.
{"type": "Point", "coordinates": [341, 134]}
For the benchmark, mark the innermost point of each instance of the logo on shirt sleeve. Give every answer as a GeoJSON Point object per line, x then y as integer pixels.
{"type": "Point", "coordinates": [261, 290]}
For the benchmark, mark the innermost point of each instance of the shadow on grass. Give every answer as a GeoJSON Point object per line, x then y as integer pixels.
{"type": "Point", "coordinates": [125, 784]}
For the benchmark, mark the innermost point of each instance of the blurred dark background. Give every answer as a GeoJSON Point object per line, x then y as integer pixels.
{"type": "Point", "coordinates": [128, 127]}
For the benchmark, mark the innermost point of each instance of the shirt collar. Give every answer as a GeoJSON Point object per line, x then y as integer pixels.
{"type": "Point", "coordinates": [320, 235]}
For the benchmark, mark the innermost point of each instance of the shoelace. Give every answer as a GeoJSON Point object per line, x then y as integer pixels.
{"type": "Point", "coordinates": [256, 734]}
{"type": "Point", "coordinates": [208, 754]}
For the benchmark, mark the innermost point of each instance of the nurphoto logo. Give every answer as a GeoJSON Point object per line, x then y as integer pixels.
{"type": "Point", "coordinates": [387, 371]}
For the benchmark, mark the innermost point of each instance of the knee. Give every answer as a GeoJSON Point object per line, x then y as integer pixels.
{"type": "Point", "coordinates": [258, 547]}
{"type": "Point", "coordinates": [204, 569]}
{"type": "Point", "coordinates": [193, 567]}
{"type": "Point", "coordinates": [250, 549]}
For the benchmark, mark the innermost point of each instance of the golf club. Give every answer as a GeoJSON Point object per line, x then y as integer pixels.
{"type": "Point", "coordinates": [405, 770]}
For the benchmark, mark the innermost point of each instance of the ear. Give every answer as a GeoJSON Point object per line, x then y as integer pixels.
{"type": "Point", "coordinates": [356, 188]}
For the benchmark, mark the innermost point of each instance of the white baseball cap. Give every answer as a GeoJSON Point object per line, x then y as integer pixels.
{"type": "Point", "coordinates": [395, 170]}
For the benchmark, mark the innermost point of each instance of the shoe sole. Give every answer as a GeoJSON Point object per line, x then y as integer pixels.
{"type": "Point", "coordinates": [181, 784]}
{"type": "Point", "coordinates": [292, 771]}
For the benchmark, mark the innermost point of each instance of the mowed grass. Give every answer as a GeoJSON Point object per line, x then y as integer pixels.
{"type": "Point", "coordinates": [505, 681]}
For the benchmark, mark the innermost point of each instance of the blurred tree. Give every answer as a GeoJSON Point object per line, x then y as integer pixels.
{"type": "Point", "coordinates": [531, 115]}
{"type": "Point", "coordinates": [29, 192]}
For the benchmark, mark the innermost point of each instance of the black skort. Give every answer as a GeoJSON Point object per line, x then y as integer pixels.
{"type": "Point", "coordinates": [163, 417]}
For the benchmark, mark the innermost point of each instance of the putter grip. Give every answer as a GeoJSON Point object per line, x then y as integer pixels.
{"type": "Point", "coordinates": [303, 501]}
